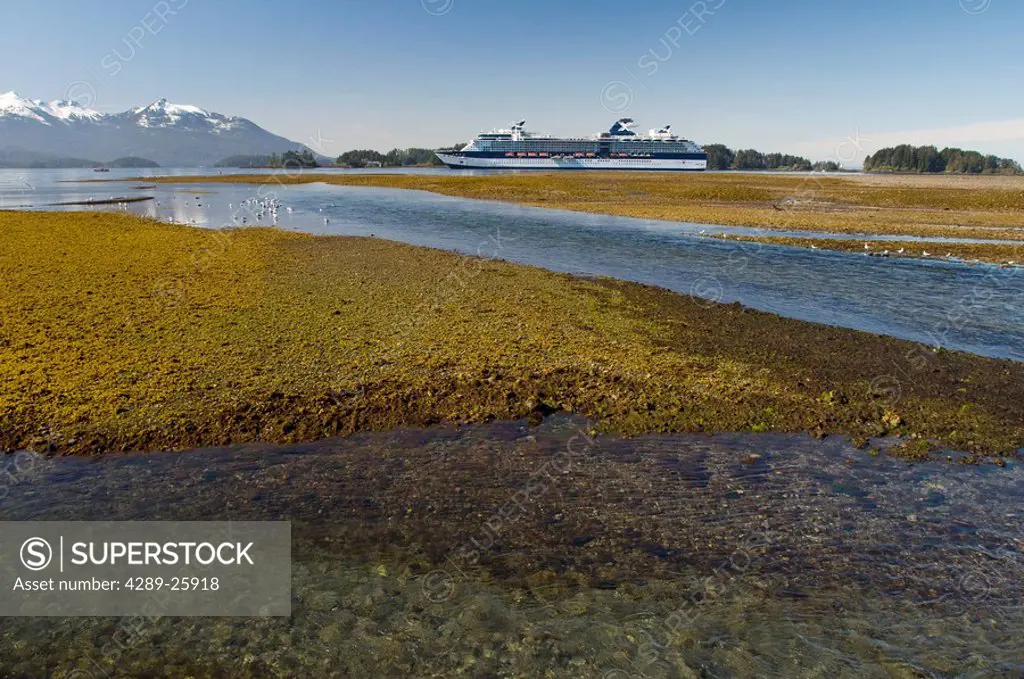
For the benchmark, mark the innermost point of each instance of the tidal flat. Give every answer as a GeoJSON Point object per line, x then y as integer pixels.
{"type": "Point", "coordinates": [124, 334]}
{"type": "Point", "coordinates": [981, 207]}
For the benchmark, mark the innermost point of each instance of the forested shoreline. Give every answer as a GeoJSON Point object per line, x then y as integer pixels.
{"type": "Point", "coordinates": [903, 158]}
{"type": "Point", "coordinates": [928, 159]}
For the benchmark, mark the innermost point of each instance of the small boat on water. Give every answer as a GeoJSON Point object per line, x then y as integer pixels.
{"type": "Point", "coordinates": [101, 169]}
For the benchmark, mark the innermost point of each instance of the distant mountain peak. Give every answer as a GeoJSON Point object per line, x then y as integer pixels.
{"type": "Point", "coordinates": [13, 104]}
{"type": "Point", "coordinates": [165, 105]}
{"type": "Point", "coordinates": [168, 133]}
{"type": "Point", "coordinates": [70, 110]}
{"type": "Point", "coordinates": [41, 111]}
{"type": "Point", "coordinates": [163, 113]}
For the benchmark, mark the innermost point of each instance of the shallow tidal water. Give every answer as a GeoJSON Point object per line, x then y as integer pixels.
{"type": "Point", "coordinates": [947, 304]}
{"type": "Point", "coordinates": [505, 550]}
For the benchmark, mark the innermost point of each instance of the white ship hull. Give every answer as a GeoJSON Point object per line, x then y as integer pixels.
{"type": "Point", "coordinates": [459, 161]}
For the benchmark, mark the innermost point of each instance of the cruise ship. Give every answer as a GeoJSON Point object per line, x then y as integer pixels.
{"type": "Point", "coordinates": [620, 148]}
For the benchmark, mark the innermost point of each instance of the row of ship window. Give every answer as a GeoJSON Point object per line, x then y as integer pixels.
{"type": "Point", "coordinates": [577, 154]}
{"type": "Point", "coordinates": [574, 147]}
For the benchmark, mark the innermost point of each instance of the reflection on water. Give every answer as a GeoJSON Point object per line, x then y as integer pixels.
{"type": "Point", "coordinates": [948, 304]}
{"type": "Point", "coordinates": [501, 550]}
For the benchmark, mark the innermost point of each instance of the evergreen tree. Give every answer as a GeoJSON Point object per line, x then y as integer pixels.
{"type": "Point", "coordinates": [720, 156]}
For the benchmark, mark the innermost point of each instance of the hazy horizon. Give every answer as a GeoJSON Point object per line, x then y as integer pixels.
{"type": "Point", "coordinates": [798, 78]}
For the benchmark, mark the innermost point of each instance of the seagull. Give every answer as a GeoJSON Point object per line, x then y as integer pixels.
{"type": "Point", "coordinates": [949, 255]}
{"type": "Point", "coordinates": [866, 246]}
{"type": "Point", "coordinates": [925, 253]}
{"type": "Point", "coordinates": [900, 251]}
{"type": "Point", "coordinates": [814, 247]}
{"type": "Point", "coordinates": [326, 221]}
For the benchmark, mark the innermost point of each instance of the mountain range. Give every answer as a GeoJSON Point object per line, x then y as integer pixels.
{"type": "Point", "coordinates": [56, 133]}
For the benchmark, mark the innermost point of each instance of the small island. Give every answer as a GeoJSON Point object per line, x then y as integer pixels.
{"type": "Point", "coordinates": [929, 160]}
{"type": "Point", "coordinates": [132, 161]}
{"type": "Point", "coordinates": [19, 158]}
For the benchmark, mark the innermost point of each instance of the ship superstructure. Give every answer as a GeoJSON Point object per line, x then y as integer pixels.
{"type": "Point", "coordinates": [620, 148]}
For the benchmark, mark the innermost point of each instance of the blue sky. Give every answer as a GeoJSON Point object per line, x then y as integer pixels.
{"type": "Point", "coordinates": [818, 78]}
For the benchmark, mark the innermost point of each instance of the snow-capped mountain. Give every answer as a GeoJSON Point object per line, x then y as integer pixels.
{"type": "Point", "coordinates": [162, 113]}
{"type": "Point", "coordinates": [47, 113]}
{"type": "Point", "coordinates": [173, 135]}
